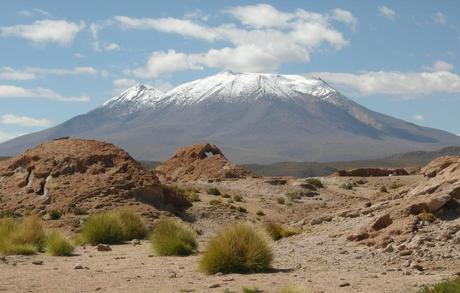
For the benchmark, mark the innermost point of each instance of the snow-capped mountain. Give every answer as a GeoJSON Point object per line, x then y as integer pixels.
{"type": "Point", "coordinates": [138, 97]}
{"type": "Point", "coordinates": [254, 117]}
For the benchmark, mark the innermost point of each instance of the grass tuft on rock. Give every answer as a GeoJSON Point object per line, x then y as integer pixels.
{"type": "Point", "coordinates": [58, 245]}
{"type": "Point", "coordinates": [171, 237]}
{"type": "Point", "coordinates": [239, 248]}
{"type": "Point", "coordinates": [278, 231]}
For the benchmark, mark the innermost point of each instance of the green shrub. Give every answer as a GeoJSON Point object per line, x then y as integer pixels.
{"type": "Point", "coordinates": [242, 209]}
{"type": "Point", "coordinates": [281, 200]}
{"type": "Point", "coordinates": [278, 231]}
{"type": "Point", "coordinates": [239, 248]}
{"type": "Point", "coordinates": [133, 225]}
{"type": "Point", "coordinates": [260, 213]}
{"type": "Point", "coordinates": [292, 289]}
{"type": "Point", "coordinates": [315, 182]}
{"type": "Point", "coordinates": [58, 245]}
{"type": "Point", "coordinates": [383, 188]}
{"type": "Point", "coordinates": [448, 286]}
{"type": "Point", "coordinates": [21, 237]}
{"type": "Point", "coordinates": [171, 237]}
{"type": "Point", "coordinates": [426, 216]}
{"type": "Point", "coordinates": [251, 290]}
{"type": "Point", "coordinates": [347, 186]}
{"type": "Point", "coordinates": [237, 198]}
{"type": "Point", "coordinates": [54, 214]}
{"type": "Point", "coordinates": [9, 214]}
{"type": "Point", "coordinates": [102, 228]}
{"type": "Point", "coordinates": [192, 195]}
{"type": "Point", "coordinates": [214, 191]}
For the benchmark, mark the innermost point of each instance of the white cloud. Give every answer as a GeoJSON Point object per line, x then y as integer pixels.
{"type": "Point", "coordinates": [24, 121]}
{"type": "Point", "coordinates": [406, 85]}
{"type": "Point", "coordinates": [34, 12]}
{"type": "Point", "coordinates": [12, 91]}
{"type": "Point", "coordinates": [345, 16]}
{"type": "Point", "coordinates": [124, 83]}
{"type": "Point", "coordinates": [418, 117]}
{"type": "Point", "coordinates": [4, 136]}
{"type": "Point", "coordinates": [29, 73]}
{"type": "Point", "coordinates": [387, 12]}
{"type": "Point", "coordinates": [98, 45]}
{"type": "Point", "coordinates": [264, 39]}
{"type": "Point", "coordinates": [44, 31]}
{"type": "Point", "coordinates": [79, 55]}
{"type": "Point", "coordinates": [112, 47]}
{"type": "Point", "coordinates": [439, 18]}
{"type": "Point", "coordinates": [439, 65]}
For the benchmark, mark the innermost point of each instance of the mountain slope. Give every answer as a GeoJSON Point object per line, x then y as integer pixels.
{"type": "Point", "coordinates": [254, 118]}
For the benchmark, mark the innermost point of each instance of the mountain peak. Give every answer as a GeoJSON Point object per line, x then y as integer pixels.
{"type": "Point", "coordinates": [231, 87]}
{"type": "Point", "coordinates": [135, 98]}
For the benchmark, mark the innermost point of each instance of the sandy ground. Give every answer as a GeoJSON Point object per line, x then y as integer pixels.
{"type": "Point", "coordinates": [320, 259]}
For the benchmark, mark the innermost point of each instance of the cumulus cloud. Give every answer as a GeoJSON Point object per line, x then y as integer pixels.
{"type": "Point", "coordinates": [406, 85]}
{"type": "Point", "coordinates": [97, 44]}
{"type": "Point", "coordinates": [23, 121]}
{"type": "Point", "coordinates": [387, 12]}
{"type": "Point", "coordinates": [29, 73]}
{"type": "Point", "coordinates": [439, 65]}
{"type": "Point", "coordinates": [439, 18]}
{"type": "Point", "coordinates": [12, 91]}
{"type": "Point", "coordinates": [264, 38]}
{"type": "Point", "coordinates": [45, 31]}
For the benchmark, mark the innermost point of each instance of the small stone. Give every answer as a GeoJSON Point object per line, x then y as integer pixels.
{"type": "Point", "coordinates": [214, 286]}
{"type": "Point", "coordinates": [229, 279]}
{"type": "Point", "coordinates": [298, 266]}
{"type": "Point", "coordinates": [405, 252]}
{"type": "Point", "coordinates": [135, 242]}
{"type": "Point", "coordinates": [172, 275]}
{"type": "Point", "coordinates": [344, 284]}
{"type": "Point", "coordinates": [103, 247]}
{"type": "Point", "coordinates": [37, 262]}
{"type": "Point", "coordinates": [78, 267]}
{"type": "Point", "coordinates": [218, 274]}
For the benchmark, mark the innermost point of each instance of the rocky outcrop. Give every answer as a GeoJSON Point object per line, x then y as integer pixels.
{"type": "Point", "coordinates": [78, 176]}
{"type": "Point", "coordinates": [199, 162]}
{"type": "Point", "coordinates": [370, 172]}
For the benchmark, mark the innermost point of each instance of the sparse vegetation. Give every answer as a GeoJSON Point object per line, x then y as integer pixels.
{"type": "Point", "coordinates": [191, 194]}
{"type": "Point", "coordinates": [281, 200]}
{"type": "Point", "coordinates": [293, 289]}
{"type": "Point", "coordinates": [171, 237]}
{"type": "Point", "coordinates": [237, 198]}
{"type": "Point", "coordinates": [426, 216]}
{"type": "Point", "coordinates": [214, 191]}
{"type": "Point", "coordinates": [215, 202]}
{"type": "Point", "coordinates": [251, 290]}
{"type": "Point", "coordinates": [54, 214]}
{"type": "Point", "coordinates": [315, 182]}
{"type": "Point", "coordinates": [102, 228]}
{"type": "Point", "coordinates": [383, 188]}
{"type": "Point", "coordinates": [278, 231]}
{"type": "Point", "coordinates": [260, 213]}
{"type": "Point", "coordinates": [239, 248]}
{"type": "Point", "coordinates": [58, 245]}
{"type": "Point", "coordinates": [25, 236]}
{"type": "Point", "coordinates": [396, 185]}
{"type": "Point", "coordinates": [448, 286]}
{"type": "Point", "coordinates": [242, 209]}
{"type": "Point", "coordinates": [9, 214]}
{"type": "Point", "coordinates": [347, 186]}
{"type": "Point", "coordinates": [133, 225]}
{"type": "Point", "coordinates": [226, 195]}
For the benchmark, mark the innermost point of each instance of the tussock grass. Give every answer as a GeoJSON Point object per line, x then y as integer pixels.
{"type": "Point", "coordinates": [278, 231]}
{"type": "Point", "coordinates": [54, 214]}
{"type": "Point", "coordinates": [133, 225]}
{"type": "Point", "coordinates": [25, 236]}
{"type": "Point", "coordinates": [315, 182]}
{"type": "Point", "coordinates": [448, 286]}
{"type": "Point", "coordinates": [102, 228]}
{"type": "Point", "coordinates": [214, 191]}
{"type": "Point", "coordinates": [171, 237]}
{"type": "Point", "coordinates": [239, 248]}
{"type": "Point", "coordinates": [58, 245]}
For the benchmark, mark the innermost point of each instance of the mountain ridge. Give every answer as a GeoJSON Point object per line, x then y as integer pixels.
{"type": "Point", "coordinates": [253, 117]}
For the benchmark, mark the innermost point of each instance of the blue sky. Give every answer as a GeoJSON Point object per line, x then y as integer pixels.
{"type": "Point", "coordinates": [59, 59]}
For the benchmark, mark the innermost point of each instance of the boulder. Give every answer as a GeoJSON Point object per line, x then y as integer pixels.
{"type": "Point", "coordinates": [199, 162]}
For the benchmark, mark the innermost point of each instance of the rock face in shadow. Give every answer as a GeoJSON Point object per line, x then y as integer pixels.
{"type": "Point", "coordinates": [370, 172]}
{"type": "Point", "coordinates": [78, 176]}
{"type": "Point", "coordinates": [199, 162]}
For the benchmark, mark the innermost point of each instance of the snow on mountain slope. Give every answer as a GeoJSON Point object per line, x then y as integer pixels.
{"type": "Point", "coordinates": [233, 87]}
{"type": "Point", "coordinates": [135, 98]}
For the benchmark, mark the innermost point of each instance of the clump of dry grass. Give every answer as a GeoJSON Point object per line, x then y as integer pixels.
{"type": "Point", "coordinates": [171, 237]}
{"type": "Point", "coordinates": [278, 231]}
{"type": "Point", "coordinates": [239, 248]}
{"type": "Point", "coordinates": [25, 236]}
{"type": "Point", "coordinates": [58, 245]}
